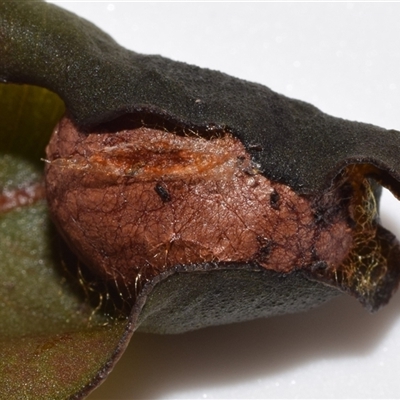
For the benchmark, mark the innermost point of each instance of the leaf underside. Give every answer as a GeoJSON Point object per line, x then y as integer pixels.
{"type": "Point", "coordinates": [53, 343]}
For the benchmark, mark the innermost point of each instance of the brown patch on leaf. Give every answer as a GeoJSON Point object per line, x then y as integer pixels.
{"type": "Point", "coordinates": [22, 196]}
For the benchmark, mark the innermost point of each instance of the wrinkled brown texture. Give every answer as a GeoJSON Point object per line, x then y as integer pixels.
{"type": "Point", "coordinates": [136, 202]}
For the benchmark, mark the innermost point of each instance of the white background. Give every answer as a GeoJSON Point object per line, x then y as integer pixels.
{"type": "Point", "coordinates": [345, 59]}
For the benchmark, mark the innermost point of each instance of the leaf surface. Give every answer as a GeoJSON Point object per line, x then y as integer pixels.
{"type": "Point", "coordinates": [53, 343]}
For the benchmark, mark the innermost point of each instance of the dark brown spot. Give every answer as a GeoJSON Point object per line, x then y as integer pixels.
{"type": "Point", "coordinates": [266, 247]}
{"type": "Point", "coordinates": [162, 191]}
{"type": "Point", "coordinates": [274, 200]}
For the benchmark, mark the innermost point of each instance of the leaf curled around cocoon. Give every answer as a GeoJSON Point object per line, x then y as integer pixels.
{"type": "Point", "coordinates": [186, 198]}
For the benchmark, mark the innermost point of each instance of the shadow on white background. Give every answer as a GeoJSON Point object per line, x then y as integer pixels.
{"type": "Point", "coordinates": [156, 366]}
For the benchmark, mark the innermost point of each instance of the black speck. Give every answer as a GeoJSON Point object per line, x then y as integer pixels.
{"type": "Point", "coordinates": [275, 200]}
{"type": "Point", "coordinates": [266, 246]}
{"type": "Point", "coordinates": [319, 268]}
{"type": "Point", "coordinates": [162, 192]}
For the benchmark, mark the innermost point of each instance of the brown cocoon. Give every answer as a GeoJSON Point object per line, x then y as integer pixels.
{"type": "Point", "coordinates": [138, 202]}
